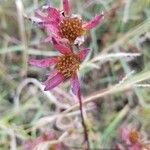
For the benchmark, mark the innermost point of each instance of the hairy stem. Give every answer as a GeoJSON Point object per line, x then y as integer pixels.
{"type": "Point", "coordinates": [86, 136]}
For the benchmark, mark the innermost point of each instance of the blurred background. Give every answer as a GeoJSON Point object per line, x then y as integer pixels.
{"type": "Point", "coordinates": [115, 77]}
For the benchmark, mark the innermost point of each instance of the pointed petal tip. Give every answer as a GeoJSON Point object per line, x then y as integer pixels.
{"type": "Point", "coordinates": [66, 7]}
{"type": "Point", "coordinates": [43, 63]}
{"type": "Point", "coordinates": [31, 61]}
{"type": "Point", "coordinates": [94, 22]}
{"type": "Point", "coordinates": [45, 89]}
{"type": "Point", "coordinates": [87, 50]}
{"type": "Point", "coordinates": [28, 61]}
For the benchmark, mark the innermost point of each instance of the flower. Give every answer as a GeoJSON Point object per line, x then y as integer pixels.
{"type": "Point", "coordinates": [44, 137]}
{"type": "Point", "coordinates": [63, 25]}
{"type": "Point", "coordinates": [133, 138]}
{"type": "Point", "coordinates": [66, 66]}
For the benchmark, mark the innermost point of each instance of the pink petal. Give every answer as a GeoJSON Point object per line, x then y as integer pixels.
{"type": "Point", "coordinates": [54, 81]}
{"type": "Point", "coordinates": [61, 48]}
{"type": "Point", "coordinates": [83, 53]}
{"type": "Point", "coordinates": [94, 22]}
{"type": "Point", "coordinates": [66, 7]}
{"type": "Point", "coordinates": [124, 132]}
{"type": "Point", "coordinates": [39, 14]}
{"type": "Point", "coordinates": [52, 30]}
{"type": "Point", "coordinates": [53, 14]}
{"type": "Point", "coordinates": [43, 63]}
{"type": "Point", "coordinates": [50, 75]}
{"type": "Point", "coordinates": [48, 14]}
{"type": "Point", "coordinates": [135, 147]}
{"type": "Point", "coordinates": [75, 85]}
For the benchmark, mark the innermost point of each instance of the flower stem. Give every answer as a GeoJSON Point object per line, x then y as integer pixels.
{"type": "Point", "coordinates": [86, 136]}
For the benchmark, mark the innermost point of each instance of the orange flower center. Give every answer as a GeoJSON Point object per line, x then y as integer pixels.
{"type": "Point", "coordinates": [134, 136]}
{"type": "Point", "coordinates": [71, 28]}
{"type": "Point", "coordinates": [67, 65]}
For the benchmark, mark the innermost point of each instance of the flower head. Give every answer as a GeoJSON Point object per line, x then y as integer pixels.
{"type": "Point", "coordinates": [63, 25]}
{"type": "Point", "coordinates": [132, 137]}
{"type": "Point", "coordinates": [66, 66]}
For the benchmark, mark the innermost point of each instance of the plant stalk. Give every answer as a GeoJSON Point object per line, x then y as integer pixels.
{"type": "Point", "coordinates": [86, 136]}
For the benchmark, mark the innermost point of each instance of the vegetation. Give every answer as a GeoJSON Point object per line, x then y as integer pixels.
{"type": "Point", "coordinates": [114, 78]}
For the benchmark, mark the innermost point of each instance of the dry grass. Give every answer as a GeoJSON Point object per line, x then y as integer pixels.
{"type": "Point", "coordinates": [115, 77]}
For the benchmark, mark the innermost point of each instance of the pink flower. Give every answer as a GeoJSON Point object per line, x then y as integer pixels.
{"type": "Point", "coordinates": [66, 66]}
{"type": "Point", "coordinates": [63, 25]}
{"type": "Point", "coordinates": [45, 137]}
{"type": "Point", "coordinates": [132, 138]}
